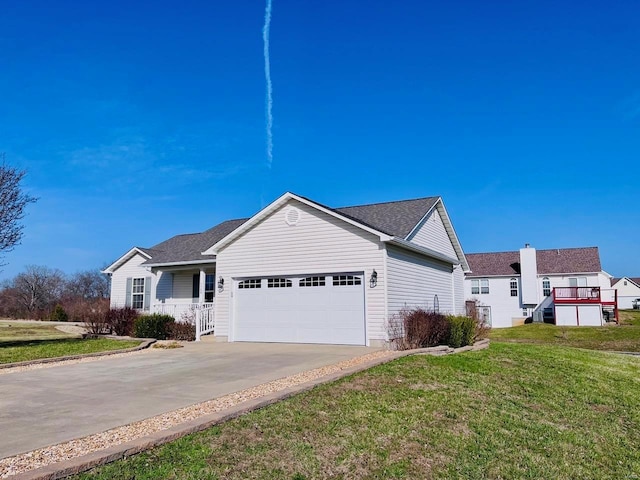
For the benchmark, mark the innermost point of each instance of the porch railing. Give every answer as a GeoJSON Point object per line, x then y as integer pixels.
{"type": "Point", "coordinates": [576, 294]}
{"type": "Point", "coordinates": [180, 311]}
{"type": "Point", "coordinates": [204, 321]}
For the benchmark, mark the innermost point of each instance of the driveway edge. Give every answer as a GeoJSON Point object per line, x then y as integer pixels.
{"type": "Point", "coordinates": [86, 462]}
{"type": "Point", "coordinates": [146, 343]}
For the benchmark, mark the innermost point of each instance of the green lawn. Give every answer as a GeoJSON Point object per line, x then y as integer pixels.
{"type": "Point", "coordinates": [623, 338]}
{"type": "Point", "coordinates": [23, 351]}
{"type": "Point", "coordinates": [13, 331]}
{"type": "Point", "coordinates": [512, 411]}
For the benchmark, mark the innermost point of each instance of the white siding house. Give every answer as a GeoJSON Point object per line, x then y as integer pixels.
{"type": "Point", "coordinates": [566, 285]}
{"type": "Point", "coordinates": [298, 271]}
{"type": "Point", "coordinates": [628, 289]}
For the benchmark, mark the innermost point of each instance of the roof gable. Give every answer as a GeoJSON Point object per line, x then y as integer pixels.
{"type": "Point", "coordinates": [145, 252]}
{"type": "Point", "coordinates": [275, 205]}
{"type": "Point", "coordinates": [555, 261]}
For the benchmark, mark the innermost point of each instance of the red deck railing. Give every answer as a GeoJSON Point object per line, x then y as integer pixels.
{"type": "Point", "coordinates": [576, 295]}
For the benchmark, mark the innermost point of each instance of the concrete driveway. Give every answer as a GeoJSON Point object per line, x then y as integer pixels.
{"type": "Point", "coordinates": [55, 404]}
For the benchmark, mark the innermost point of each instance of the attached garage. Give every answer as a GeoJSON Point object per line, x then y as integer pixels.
{"type": "Point", "coordinates": [318, 308]}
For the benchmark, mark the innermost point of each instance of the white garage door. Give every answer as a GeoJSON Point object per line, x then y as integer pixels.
{"type": "Point", "coordinates": [301, 309]}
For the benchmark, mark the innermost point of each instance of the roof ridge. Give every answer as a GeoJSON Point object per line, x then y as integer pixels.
{"type": "Point", "coordinates": [536, 249]}
{"type": "Point", "coordinates": [386, 203]}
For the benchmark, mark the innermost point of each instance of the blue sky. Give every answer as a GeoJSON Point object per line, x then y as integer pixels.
{"type": "Point", "coordinates": [140, 120]}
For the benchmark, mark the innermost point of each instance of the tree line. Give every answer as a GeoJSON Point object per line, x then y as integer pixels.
{"type": "Point", "coordinates": [39, 291]}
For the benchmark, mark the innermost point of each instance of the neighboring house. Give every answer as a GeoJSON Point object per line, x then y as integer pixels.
{"type": "Point", "coordinates": [566, 286]}
{"type": "Point", "coordinates": [301, 272]}
{"type": "Point", "coordinates": [628, 289]}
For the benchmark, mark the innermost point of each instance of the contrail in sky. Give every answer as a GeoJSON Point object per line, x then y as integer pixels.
{"type": "Point", "coordinates": [267, 75]}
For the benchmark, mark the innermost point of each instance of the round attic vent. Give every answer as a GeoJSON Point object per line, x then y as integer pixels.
{"type": "Point", "coordinates": [292, 216]}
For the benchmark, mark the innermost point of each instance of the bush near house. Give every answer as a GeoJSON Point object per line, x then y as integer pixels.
{"type": "Point", "coordinates": [462, 331]}
{"type": "Point", "coordinates": [183, 331]}
{"type": "Point", "coordinates": [152, 326]}
{"type": "Point", "coordinates": [120, 321]}
{"type": "Point", "coordinates": [420, 328]}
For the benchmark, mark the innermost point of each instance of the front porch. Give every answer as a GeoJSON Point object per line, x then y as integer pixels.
{"type": "Point", "coordinates": [188, 295]}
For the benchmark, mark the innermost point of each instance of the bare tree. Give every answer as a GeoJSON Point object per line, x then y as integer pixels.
{"type": "Point", "coordinates": [12, 205]}
{"type": "Point", "coordinates": [87, 285]}
{"type": "Point", "coordinates": [38, 288]}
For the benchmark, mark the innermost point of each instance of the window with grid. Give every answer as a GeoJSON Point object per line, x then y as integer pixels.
{"type": "Point", "coordinates": [252, 283]}
{"type": "Point", "coordinates": [209, 287]}
{"type": "Point", "coordinates": [340, 280]}
{"type": "Point", "coordinates": [137, 293]}
{"type": "Point", "coordinates": [546, 286]}
{"type": "Point", "coordinates": [513, 287]}
{"type": "Point", "coordinates": [278, 283]}
{"type": "Point", "coordinates": [312, 282]}
{"type": "Point", "coordinates": [479, 286]}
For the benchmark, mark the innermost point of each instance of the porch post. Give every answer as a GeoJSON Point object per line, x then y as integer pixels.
{"type": "Point", "coordinates": [203, 276]}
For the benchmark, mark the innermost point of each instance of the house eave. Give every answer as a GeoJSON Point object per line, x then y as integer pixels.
{"type": "Point", "coordinates": [470, 274]}
{"type": "Point", "coordinates": [400, 242]}
{"type": "Point", "coordinates": [175, 264]}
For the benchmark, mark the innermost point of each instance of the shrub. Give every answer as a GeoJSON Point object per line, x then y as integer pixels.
{"type": "Point", "coordinates": [418, 328]}
{"type": "Point", "coordinates": [120, 320]}
{"type": "Point", "coordinates": [152, 326]}
{"type": "Point", "coordinates": [528, 320]}
{"type": "Point", "coordinates": [462, 331]}
{"type": "Point", "coordinates": [59, 314]}
{"type": "Point", "coordinates": [181, 331]}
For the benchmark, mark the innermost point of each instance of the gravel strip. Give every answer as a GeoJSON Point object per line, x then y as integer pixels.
{"type": "Point", "coordinates": [116, 436]}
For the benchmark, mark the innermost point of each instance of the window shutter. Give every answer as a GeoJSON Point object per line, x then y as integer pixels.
{"type": "Point", "coordinates": [147, 293]}
{"type": "Point", "coordinates": [195, 290]}
{"type": "Point", "coordinates": [127, 298]}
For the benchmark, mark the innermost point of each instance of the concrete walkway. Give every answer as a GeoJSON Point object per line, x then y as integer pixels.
{"type": "Point", "coordinates": [51, 405]}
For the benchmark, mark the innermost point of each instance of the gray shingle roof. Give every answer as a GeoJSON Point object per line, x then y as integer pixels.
{"type": "Point", "coordinates": [635, 280]}
{"type": "Point", "coordinates": [393, 218]}
{"type": "Point", "coordinates": [188, 247]}
{"type": "Point", "coordinates": [558, 260]}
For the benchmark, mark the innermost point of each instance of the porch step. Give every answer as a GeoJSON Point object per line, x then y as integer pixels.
{"type": "Point", "coordinates": [209, 337]}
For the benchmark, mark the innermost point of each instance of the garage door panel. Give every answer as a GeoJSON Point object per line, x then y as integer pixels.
{"type": "Point", "coordinates": [301, 314]}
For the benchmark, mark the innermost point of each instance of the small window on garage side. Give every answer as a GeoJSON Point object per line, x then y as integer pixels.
{"type": "Point", "coordinates": [278, 283]}
{"type": "Point", "coordinates": [252, 283]}
{"type": "Point", "coordinates": [312, 282]}
{"type": "Point", "coordinates": [340, 280]}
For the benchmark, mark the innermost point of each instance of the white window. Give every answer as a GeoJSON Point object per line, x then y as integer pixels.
{"type": "Point", "coordinates": [513, 287]}
{"type": "Point", "coordinates": [578, 282]}
{"type": "Point", "coordinates": [278, 283]}
{"type": "Point", "coordinates": [340, 280]}
{"type": "Point", "coordinates": [209, 287]}
{"type": "Point", "coordinates": [546, 286]}
{"type": "Point", "coordinates": [479, 286]}
{"type": "Point", "coordinates": [252, 283]}
{"type": "Point", "coordinates": [137, 293]}
{"type": "Point", "coordinates": [312, 282]}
